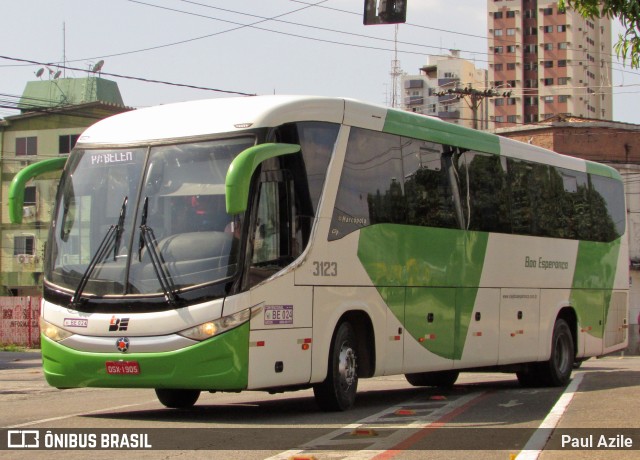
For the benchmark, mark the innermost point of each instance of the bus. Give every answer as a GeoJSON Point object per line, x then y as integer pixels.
{"type": "Point", "coordinates": [281, 243]}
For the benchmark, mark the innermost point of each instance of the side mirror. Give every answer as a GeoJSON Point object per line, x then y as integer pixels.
{"type": "Point", "coordinates": [15, 196]}
{"type": "Point", "coordinates": [385, 12]}
{"type": "Point", "coordinates": [238, 178]}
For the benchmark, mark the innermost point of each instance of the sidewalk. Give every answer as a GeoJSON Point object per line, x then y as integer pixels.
{"type": "Point", "coordinates": [607, 402]}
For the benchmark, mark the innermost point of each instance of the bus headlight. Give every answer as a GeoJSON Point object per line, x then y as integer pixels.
{"type": "Point", "coordinates": [212, 328]}
{"type": "Point", "coordinates": [53, 332]}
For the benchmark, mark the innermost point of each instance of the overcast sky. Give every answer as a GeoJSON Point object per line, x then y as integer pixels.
{"type": "Point", "coordinates": [246, 46]}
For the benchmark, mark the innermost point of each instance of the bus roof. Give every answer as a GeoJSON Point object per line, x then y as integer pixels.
{"type": "Point", "coordinates": [200, 118]}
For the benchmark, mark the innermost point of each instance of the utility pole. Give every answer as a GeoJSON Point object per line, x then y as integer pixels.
{"type": "Point", "coordinates": [473, 98]}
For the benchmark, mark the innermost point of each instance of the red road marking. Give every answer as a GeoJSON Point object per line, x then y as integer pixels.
{"type": "Point", "coordinates": [429, 429]}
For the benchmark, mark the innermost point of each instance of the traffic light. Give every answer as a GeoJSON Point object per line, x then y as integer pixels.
{"type": "Point", "coordinates": [385, 12]}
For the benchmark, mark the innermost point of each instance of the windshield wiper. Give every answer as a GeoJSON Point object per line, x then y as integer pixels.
{"type": "Point", "coordinates": [112, 236]}
{"type": "Point", "coordinates": [148, 239]}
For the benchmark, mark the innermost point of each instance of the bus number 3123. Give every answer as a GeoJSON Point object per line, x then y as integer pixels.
{"type": "Point", "coordinates": [325, 268]}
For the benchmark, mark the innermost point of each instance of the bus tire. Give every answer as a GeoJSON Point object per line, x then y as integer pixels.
{"type": "Point", "coordinates": [443, 379]}
{"type": "Point", "coordinates": [177, 399]}
{"type": "Point", "coordinates": [557, 371]}
{"type": "Point", "coordinates": [338, 391]}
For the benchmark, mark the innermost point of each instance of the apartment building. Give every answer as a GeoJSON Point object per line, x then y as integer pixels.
{"type": "Point", "coordinates": [422, 92]}
{"type": "Point", "coordinates": [53, 115]}
{"type": "Point", "coordinates": [554, 62]}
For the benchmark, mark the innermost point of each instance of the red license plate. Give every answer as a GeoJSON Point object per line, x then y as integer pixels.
{"type": "Point", "coordinates": [123, 367]}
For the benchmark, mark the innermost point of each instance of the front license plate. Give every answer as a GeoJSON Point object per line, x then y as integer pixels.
{"type": "Point", "coordinates": [123, 367]}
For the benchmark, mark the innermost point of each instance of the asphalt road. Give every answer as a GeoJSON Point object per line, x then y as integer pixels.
{"type": "Point", "coordinates": [485, 416]}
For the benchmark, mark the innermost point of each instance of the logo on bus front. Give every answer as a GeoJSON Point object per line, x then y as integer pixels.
{"type": "Point", "coordinates": [122, 344]}
{"type": "Point", "coordinates": [118, 324]}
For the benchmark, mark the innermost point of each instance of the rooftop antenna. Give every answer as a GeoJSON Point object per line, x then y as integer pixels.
{"type": "Point", "coordinates": [396, 73]}
{"type": "Point", "coordinates": [64, 49]}
{"type": "Point", "coordinates": [40, 72]}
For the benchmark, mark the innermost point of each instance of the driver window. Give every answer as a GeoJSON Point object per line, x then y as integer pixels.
{"type": "Point", "coordinates": [266, 242]}
{"type": "Point", "coordinates": [273, 241]}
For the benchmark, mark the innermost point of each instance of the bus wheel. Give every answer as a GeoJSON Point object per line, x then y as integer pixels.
{"type": "Point", "coordinates": [177, 399]}
{"type": "Point", "coordinates": [338, 391]}
{"type": "Point", "coordinates": [444, 379]}
{"type": "Point", "coordinates": [557, 371]}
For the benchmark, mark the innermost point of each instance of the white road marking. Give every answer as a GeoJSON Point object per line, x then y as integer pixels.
{"type": "Point", "coordinates": [535, 445]}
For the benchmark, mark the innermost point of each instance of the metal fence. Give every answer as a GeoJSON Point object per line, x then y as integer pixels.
{"type": "Point", "coordinates": [19, 321]}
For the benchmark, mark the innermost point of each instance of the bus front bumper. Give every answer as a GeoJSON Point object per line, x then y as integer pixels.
{"type": "Point", "coordinates": [219, 363]}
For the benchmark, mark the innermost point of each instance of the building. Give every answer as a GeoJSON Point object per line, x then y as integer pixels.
{"type": "Point", "coordinates": [442, 73]}
{"type": "Point", "coordinates": [556, 62]}
{"type": "Point", "coordinates": [53, 115]}
{"type": "Point", "coordinates": [613, 143]}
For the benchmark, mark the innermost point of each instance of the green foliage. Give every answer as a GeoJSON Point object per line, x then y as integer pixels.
{"type": "Point", "coordinates": [627, 11]}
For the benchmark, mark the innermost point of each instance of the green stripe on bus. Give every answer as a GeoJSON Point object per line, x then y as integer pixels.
{"type": "Point", "coordinates": [425, 128]}
{"type": "Point", "coordinates": [441, 270]}
{"type": "Point", "coordinates": [593, 280]}
{"type": "Point", "coordinates": [602, 170]}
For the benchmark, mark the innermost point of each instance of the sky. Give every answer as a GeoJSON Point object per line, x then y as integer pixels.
{"type": "Point", "coordinates": [310, 47]}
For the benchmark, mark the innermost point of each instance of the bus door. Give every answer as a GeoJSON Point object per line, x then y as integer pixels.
{"type": "Point", "coordinates": [280, 337]}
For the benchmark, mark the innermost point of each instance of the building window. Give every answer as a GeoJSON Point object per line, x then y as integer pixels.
{"type": "Point", "coordinates": [511, 83]}
{"type": "Point", "coordinates": [548, 81]}
{"type": "Point", "coordinates": [548, 46]}
{"type": "Point", "coordinates": [548, 99]}
{"type": "Point", "coordinates": [511, 32]}
{"type": "Point", "coordinates": [499, 119]}
{"type": "Point", "coordinates": [29, 196]}
{"type": "Point", "coordinates": [498, 50]}
{"type": "Point", "coordinates": [511, 118]}
{"type": "Point", "coordinates": [547, 11]}
{"type": "Point", "coordinates": [547, 29]}
{"type": "Point", "coordinates": [511, 14]}
{"type": "Point", "coordinates": [67, 142]}
{"type": "Point", "coordinates": [499, 101]}
{"type": "Point", "coordinates": [562, 28]}
{"type": "Point", "coordinates": [563, 80]}
{"type": "Point", "coordinates": [548, 64]}
{"type": "Point", "coordinates": [562, 63]}
{"type": "Point", "coordinates": [497, 67]}
{"type": "Point", "coordinates": [511, 49]}
{"type": "Point", "coordinates": [563, 45]}
{"type": "Point", "coordinates": [497, 15]}
{"type": "Point", "coordinates": [24, 245]}
{"type": "Point", "coordinates": [26, 146]}
{"type": "Point", "coordinates": [511, 101]}
{"type": "Point", "coordinates": [497, 32]}
{"type": "Point", "coordinates": [531, 49]}
{"type": "Point", "coordinates": [563, 98]}
{"type": "Point", "coordinates": [511, 66]}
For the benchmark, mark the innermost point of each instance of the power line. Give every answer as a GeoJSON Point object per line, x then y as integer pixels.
{"type": "Point", "coordinates": [129, 77]}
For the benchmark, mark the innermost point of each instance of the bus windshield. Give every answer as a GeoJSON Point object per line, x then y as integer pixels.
{"type": "Point", "coordinates": [144, 220]}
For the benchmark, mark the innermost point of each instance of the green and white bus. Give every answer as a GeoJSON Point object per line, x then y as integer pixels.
{"type": "Point", "coordinates": [278, 243]}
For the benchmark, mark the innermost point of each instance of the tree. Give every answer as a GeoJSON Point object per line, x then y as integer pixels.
{"type": "Point", "coordinates": [627, 11]}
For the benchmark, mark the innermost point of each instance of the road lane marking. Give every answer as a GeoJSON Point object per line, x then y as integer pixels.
{"type": "Point", "coordinates": [535, 445]}
{"type": "Point", "coordinates": [78, 414]}
{"type": "Point", "coordinates": [429, 415]}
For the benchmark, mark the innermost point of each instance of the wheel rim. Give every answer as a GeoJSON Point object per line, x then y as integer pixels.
{"type": "Point", "coordinates": [346, 366]}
